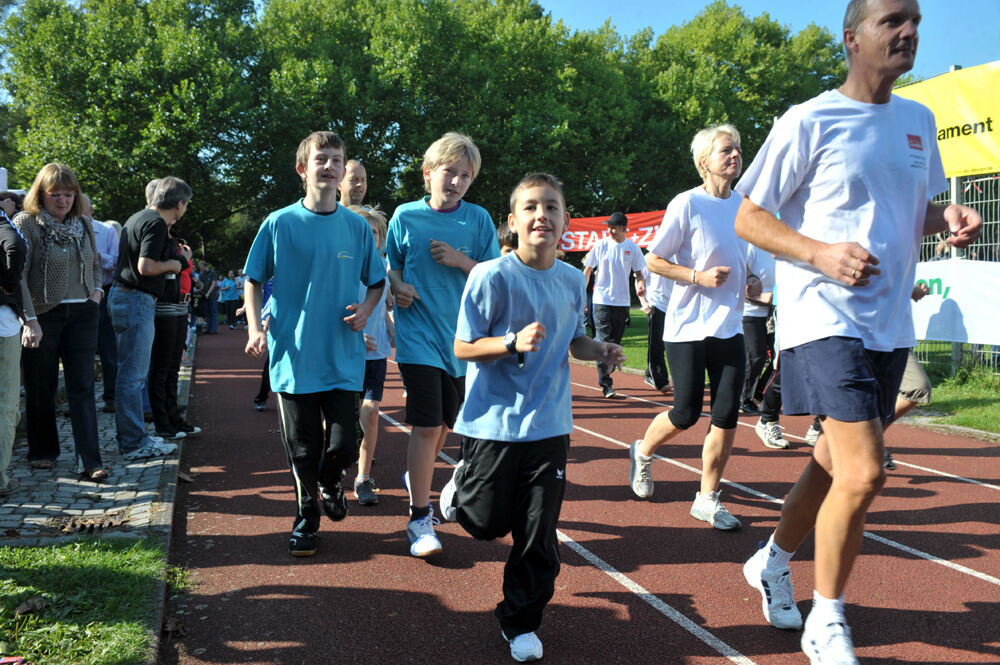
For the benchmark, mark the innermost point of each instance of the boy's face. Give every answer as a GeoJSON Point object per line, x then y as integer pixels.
{"type": "Point", "coordinates": [323, 170]}
{"type": "Point", "coordinates": [617, 232]}
{"type": "Point", "coordinates": [375, 232]}
{"type": "Point", "coordinates": [539, 217]}
{"type": "Point", "coordinates": [449, 182]}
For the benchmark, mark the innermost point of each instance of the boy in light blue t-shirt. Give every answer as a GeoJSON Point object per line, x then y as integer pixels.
{"type": "Point", "coordinates": [521, 317]}
{"type": "Point", "coordinates": [318, 252]}
{"type": "Point", "coordinates": [432, 245]}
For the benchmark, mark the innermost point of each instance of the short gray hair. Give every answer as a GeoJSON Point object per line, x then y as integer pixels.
{"type": "Point", "coordinates": [150, 188]}
{"type": "Point", "coordinates": [701, 144]}
{"type": "Point", "coordinates": [854, 17]}
{"type": "Point", "coordinates": [169, 193]}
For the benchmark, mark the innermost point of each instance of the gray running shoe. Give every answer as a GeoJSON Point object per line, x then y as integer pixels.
{"type": "Point", "coordinates": [365, 491]}
{"type": "Point", "coordinates": [708, 508]}
{"type": "Point", "coordinates": [639, 475]}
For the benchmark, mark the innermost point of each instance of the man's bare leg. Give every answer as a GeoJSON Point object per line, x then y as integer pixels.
{"type": "Point", "coordinates": [420, 456]}
{"type": "Point", "coordinates": [714, 455]}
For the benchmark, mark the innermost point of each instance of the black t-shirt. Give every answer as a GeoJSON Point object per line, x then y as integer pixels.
{"type": "Point", "coordinates": [144, 235]}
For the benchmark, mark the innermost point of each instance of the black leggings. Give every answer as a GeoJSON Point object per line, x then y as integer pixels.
{"type": "Point", "coordinates": [725, 362]}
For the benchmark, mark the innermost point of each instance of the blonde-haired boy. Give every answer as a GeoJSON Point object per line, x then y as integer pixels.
{"type": "Point", "coordinates": [432, 245]}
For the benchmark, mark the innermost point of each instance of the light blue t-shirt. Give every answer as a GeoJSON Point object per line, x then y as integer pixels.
{"type": "Point", "coordinates": [425, 331]}
{"type": "Point", "coordinates": [376, 326]}
{"type": "Point", "coordinates": [317, 261]}
{"type": "Point", "coordinates": [504, 402]}
{"type": "Point", "coordinates": [227, 290]}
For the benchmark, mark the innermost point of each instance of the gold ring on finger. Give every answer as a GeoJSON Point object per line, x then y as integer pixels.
{"type": "Point", "coordinates": [854, 273]}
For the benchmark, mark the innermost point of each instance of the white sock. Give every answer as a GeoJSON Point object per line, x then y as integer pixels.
{"type": "Point", "coordinates": [831, 608]}
{"type": "Point", "coordinates": [777, 558]}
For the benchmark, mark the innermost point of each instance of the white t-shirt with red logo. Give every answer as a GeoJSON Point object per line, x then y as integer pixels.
{"type": "Point", "coordinates": [839, 170]}
{"type": "Point", "coordinates": [615, 262]}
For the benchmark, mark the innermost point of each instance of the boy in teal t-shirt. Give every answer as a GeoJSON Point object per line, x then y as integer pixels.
{"type": "Point", "coordinates": [432, 245]}
{"type": "Point", "coordinates": [521, 318]}
{"type": "Point", "coordinates": [318, 252]}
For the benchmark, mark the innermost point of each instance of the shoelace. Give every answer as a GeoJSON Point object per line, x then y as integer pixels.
{"type": "Point", "coordinates": [644, 473]}
{"type": "Point", "coordinates": [424, 524]}
{"type": "Point", "coordinates": [774, 429]}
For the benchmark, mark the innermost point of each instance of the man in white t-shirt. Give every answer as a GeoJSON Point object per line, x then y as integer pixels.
{"type": "Point", "coordinates": [614, 257]}
{"type": "Point", "coordinates": [851, 174]}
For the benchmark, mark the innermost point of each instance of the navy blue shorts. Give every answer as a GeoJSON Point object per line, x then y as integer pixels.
{"type": "Point", "coordinates": [374, 380]}
{"type": "Point", "coordinates": [432, 395]}
{"type": "Point", "coordinates": [838, 377]}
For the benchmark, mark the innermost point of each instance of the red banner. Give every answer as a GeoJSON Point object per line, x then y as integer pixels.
{"type": "Point", "coordinates": [583, 232]}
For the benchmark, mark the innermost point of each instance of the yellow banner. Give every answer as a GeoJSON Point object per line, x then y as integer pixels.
{"type": "Point", "coordinates": [966, 106]}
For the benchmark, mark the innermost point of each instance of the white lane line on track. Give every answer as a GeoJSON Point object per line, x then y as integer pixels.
{"type": "Point", "coordinates": [651, 599]}
{"type": "Point", "coordinates": [762, 495]}
{"type": "Point", "coordinates": [945, 474]}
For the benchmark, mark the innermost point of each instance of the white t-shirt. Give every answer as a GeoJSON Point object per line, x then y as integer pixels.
{"type": "Point", "coordinates": [840, 170]}
{"type": "Point", "coordinates": [10, 325]}
{"type": "Point", "coordinates": [697, 232]}
{"type": "Point", "coordinates": [761, 264]}
{"type": "Point", "coordinates": [657, 289]}
{"type": "Point", "coordinates": [615, 262]}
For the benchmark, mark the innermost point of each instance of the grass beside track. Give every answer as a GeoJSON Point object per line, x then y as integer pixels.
{"type": "Point", "coordinates": [86, 602]}
{"type": "Point", "coordinates": [969, 399]}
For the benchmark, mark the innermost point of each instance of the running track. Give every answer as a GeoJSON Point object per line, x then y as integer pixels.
{"type": "Point", "coordinates": [641, 582]}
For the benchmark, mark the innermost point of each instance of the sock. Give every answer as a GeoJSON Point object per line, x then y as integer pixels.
{"type": "Point", "coordinates": [831, 608]}
{"type": "Point", "coordinates": [777, 558]}
{"type": "Point", "coordinates": [419, 513]}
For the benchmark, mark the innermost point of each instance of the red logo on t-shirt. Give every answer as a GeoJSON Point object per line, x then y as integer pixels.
{"type": "Point", "coordinates": [915, 142]}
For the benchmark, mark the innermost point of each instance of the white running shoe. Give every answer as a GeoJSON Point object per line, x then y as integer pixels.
{"type": "Point", "coordinates": [827, 641]}
{"type": "Point", "coordinates": [708, 508]}
{"type": "Point", "coordinates": [639, 475]}
{"type": "Point", "coordinates": [776, 590]}
{"type": "Point", "coordinates": [770, 434]}
{"type": "Point", "coordinates": [448, 495]}
{"type": "Point", "coordinates": [423, 541]}
{"type": "Point", "coordinates": [525, 647]}
{"type": "Point", "coordinates": [812, 435]}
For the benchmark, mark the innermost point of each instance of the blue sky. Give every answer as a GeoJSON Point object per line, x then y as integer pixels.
{"type": "Point", "coordinates": [959, 32]}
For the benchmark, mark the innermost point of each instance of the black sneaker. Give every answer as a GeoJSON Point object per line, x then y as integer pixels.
{"type": "Point", "coordinates": [187, 428]}
{"type": "Point", "coordinates": [609, 393]}
{"type": "Point", "coordinates": [259, 406]}
{"type": "Point", "coordinates": [334, 502]}
{"type": "Point", "coordinates": [302, 544]}
{"type": "Point", "coordinates": [170, 434]}
{"type": "Point", "coordinates": [888, 462]}
{"type": "Point", "coordinates": [749, 408]}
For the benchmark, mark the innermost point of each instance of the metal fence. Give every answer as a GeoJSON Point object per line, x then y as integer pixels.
{"type": "Point", "coordinates": [981, 192]}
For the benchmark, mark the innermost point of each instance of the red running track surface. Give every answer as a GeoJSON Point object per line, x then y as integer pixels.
{"type": "Point", "coordinates": [641, 582]}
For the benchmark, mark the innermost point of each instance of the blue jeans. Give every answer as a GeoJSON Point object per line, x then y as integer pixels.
{"type": "Point", "coordinates": [212, 315]}
{"type": "Point", "coordinates": [132, 314]}
{"type": "Point", "coordinates": [107, 349]}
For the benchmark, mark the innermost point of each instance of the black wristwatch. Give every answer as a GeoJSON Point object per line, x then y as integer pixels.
{"type": "Point", "coordinates": [510, 341]}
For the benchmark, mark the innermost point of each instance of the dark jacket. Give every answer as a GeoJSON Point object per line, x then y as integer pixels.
{"type": "Point", "coordinates": [14, 254]}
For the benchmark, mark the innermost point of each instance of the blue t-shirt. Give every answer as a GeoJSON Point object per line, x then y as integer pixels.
{"type": "Point", "coordinates": [504, 402]}
{"type": "Point", "coordinates": [376, 326]}
{"type": "Point", "coordinates": [425, 331]}
{"type": "Point", "coordinates": [317, 261]}
{"type": "Point", "coordinates": [227, 290]}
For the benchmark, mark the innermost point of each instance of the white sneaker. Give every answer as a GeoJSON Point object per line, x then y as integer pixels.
{"type": "Point", "coordinates": [423, 541]}
{"type": "Point", "coordinates": [777, 593]}
{"type": "Point", "coordinates": [524, 648]}
{"type": "Point", "coordinates": [827, 641]}
{"type": "Point", "coordinates": [165, 448]}
{"type": "Point", "coordinates": [448, 495]}
{"type": "Point", "coordinates": [708, 508]}
{"type": "Point", "coordinates": [639, 475]}
{"type": "Point", "coordinates": [150, 450]}
{"type": "Point", "coordinates": [770, 434]}
{"type": "Point", "coordinates": [812, 435]}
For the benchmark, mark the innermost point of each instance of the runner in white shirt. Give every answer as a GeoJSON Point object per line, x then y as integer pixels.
{"type": "Point", "coordinates": [614, 257]}
{"type": "Point", "coordinates": [697, 247]}
{"type": "Point", "coordinates": [654, 306]}
{"type": "Point", "coordinates": [852, 173]}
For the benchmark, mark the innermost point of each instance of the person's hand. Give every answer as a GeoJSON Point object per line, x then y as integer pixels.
{"type": "Point", "coordinates": [31, 334]}
{"type": "Point", "coordinates": [370, 343]}
{"type": "Point", "coordinates": [964, 223]}
{"type": "Point", "coordinates": [754, 286]}
{"type": "Point", "coordinates": [240, 311]}
{"type": "Point", "coordinates": [640, 289]}
{"type": "Point", "coordinates": [919, 291]}
{"type": "Point", "coordinates": [96, 296]}
{"type": "Point", "coordinates": [256, 344]}
{"type": "Point", "coordinates": [8, 206]}
{"type": "Point", "coordinates": [447, 255]}
{"type": "Point", "coordinates": [612, 355]}
{"type": "Point", "coordinates": [529, 338]}
{"type": "Point", "coordinates": [713, 277]}
{"type": "Point", "coordinates": [358, 317]}
{"type": "Point", "coordinates": [405, 294]}
{"type": "Point", "coordinates": [186, 252]}
{"type": "Point", "coordinates": [847, 262]}
{"type": "Point", "coordinates": [646, 307]}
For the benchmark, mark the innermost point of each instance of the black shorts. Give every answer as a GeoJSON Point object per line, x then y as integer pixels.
{"type": "Point", "coordinates": [432, 395]}
{"type": "Point", "coordinates": [838, 377]}
{"type": "Point", "coordinates": [374, 380]}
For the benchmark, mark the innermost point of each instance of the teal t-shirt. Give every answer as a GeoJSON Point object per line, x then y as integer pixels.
{"type": "Point", "coordinates": [504, 402]}
{"type": "Point", "coordinates": [425, 331]}
{"type": "Point", "coordinates": [317, 261]}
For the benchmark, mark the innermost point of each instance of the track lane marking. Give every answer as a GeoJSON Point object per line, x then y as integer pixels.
{"type": "Point", "coordinates": [971, 481]}
{"type": "Point", "coordinates": [637, 589]}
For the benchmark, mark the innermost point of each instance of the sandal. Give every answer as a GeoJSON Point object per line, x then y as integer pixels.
{"type": "Point", "coordinates": [96, 474]}
{"type": "Point", "coordinates": [42, 464]}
